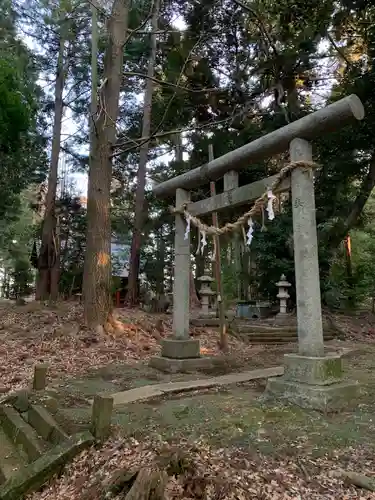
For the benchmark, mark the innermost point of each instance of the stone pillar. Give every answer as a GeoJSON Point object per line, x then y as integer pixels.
{"type": "Point", "coordinates": [182, 262]}
{"type": "Point", "coordinates": [101, 416]}
{"type": "Point", "coordinates": [180, 347]}
{"type": "Point", "coordinates": [312, 379]}
{"type": "Point", "coordinates": [309, 312]}
{"type": "Point", "coordinates": [40, 377]}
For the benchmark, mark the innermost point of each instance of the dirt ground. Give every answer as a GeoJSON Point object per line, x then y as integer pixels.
{"type": "Point", "coordinates": [230, 442]}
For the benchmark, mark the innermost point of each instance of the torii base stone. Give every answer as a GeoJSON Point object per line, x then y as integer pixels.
{"type": "Point", "coordinates": [181, 355]}
{"type": "Point", "coordinates": [314, 383]}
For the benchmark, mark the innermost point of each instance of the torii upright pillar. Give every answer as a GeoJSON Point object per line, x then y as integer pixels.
{"type": "Point", "coordinates": [312, 378]}
{"type": "Point", "coordinates": [180, 352]}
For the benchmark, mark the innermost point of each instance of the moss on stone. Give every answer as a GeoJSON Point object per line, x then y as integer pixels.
{"type": "Point", "coordinates": [35, 475]}
{"type": "Point", "coordinates": [331, 368]}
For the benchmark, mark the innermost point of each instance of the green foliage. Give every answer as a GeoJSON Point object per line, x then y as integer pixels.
{"type": "Point", "coordinates": [17, 232]}
{"type": "Point", "coordinates": [230, 62]}
{"type": "Point", "coordinates": [15, 113]}
{"type": "Point", "coordinates": [21, 143]}
{"type": "Point", "coordinates": [72, 221]}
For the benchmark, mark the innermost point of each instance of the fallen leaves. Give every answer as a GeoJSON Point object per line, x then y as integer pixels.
{"type": "Point", "coordinates": [33, 334]}
{"type": "Point", "coordinates": [207, 474]}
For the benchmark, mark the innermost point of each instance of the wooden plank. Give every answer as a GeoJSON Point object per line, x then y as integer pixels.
{"type": "Point", "coordinates": [235, 197]}
{"type": "Point", "coordinates": [328, 119]}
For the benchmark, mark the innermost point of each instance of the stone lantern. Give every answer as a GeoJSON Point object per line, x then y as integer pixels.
{"type": "Point", "coordinates": [283, 294]}
{"type": "Point", "coordinates": [206, 294]}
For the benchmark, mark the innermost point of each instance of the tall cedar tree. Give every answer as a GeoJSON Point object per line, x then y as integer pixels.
{"type": "Point", "coordinates": [140, 212]}
{"type": "Point", "coordinates": [97, 269]}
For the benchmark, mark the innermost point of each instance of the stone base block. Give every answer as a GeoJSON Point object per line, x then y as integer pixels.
{"type": "Point", "coordinates": [325, 398]}
{"type": "Point", "coordinates": [173, 365]}
{"type": "Point", "coordinates": [324, 370]}
{"type": "Point", "coordinates": [180, 349]}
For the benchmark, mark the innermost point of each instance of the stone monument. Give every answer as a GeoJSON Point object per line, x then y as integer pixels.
{"type": "Point", "coordinates": [207, 295]}
{"type": "Point", "coordinates": [282, 317]}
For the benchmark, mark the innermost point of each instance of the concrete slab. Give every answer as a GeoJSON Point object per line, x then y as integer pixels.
{"type": "Point", "coordinates": [152, 391]}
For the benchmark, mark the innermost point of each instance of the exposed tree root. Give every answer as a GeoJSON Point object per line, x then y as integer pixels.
{"type": "Point", "coordinates": [359, 480]}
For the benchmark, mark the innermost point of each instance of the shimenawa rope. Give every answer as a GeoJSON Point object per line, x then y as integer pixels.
{"type": "Point", "coordinates": [257, 208]}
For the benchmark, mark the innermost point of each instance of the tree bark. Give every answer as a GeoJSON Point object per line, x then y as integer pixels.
{"type": "Point", "coordinates": [47, 285]}
{"type": "Point", "coordinates": [140, 209]}
{"type": "Point", "coordinates": [149, 485]}
{"type": "Point", "coordinates": [160, 241]}
{"type": "Point", "coordinates": [97, 268]}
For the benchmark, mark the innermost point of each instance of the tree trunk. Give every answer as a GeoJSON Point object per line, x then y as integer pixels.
{"type": "Point", "coordinates": [160, 241]}
{"type": "Point", "coordinates": [149, 485]}
{"type": "Point", "coordinates": [140, 209]}
{"type": "Point", "coordinates": [97, 269]}
{"type": "Point", "coordinates": [47, 286]}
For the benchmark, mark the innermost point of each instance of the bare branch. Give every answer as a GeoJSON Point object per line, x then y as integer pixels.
{"type": "Point", "coordinates": [170, 84]}
{"type": "Point", "coordinates": [177, 131]}
{"type": "Point", "coordinates": [94, 4]}
{"type": "Point", "coordinates": [338, 49]}
{"type": "Point", "coordinates": [141, 26]}
{"type": "Point", "coordinates": [169, 102]}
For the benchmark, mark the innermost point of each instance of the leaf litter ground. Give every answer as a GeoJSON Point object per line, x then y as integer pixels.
{"type": "Point", "coordinates": [232, 445]}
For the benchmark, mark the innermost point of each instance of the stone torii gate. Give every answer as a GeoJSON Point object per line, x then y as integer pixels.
{"type": "Point", "coordinates": [311, 378]}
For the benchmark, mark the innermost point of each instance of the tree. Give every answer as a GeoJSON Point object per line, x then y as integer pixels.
{"type": "Point", "coordinates": [140, 213]}
{"type": "Point", "coordinates": [49, 255]}
{"type": "Point", "coordinates": [97, 270]}
{"type": "Point", "coordinates": [21, 138]}
{"type": "Point", "coordinates": [17, 234]}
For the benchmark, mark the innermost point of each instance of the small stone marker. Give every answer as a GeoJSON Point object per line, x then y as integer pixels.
{"type": "Point", "coordinates": [101, 416]}
{"type": "Point", "coordinates": [40, 377]}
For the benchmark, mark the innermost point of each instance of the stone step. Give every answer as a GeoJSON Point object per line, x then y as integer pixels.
{"type": "Point", "coordinates": [275, 339]}
{"type": "Point", "coordinates": [34, 475]}
{"type": "Point", "coordinates": [202, 322]}
{"type": "Point", "coordinates": [248, 328]}
{"type": "Point", "coordinates": [45, 425]}
{"type": "Point", "coordinates": [33, 447]}
{"type": "Point", "coordinates": [11, 460]}
{"type": "Point", "coordinates": [21, 434]}
{"type": "Point", "coordinates": [282, 333]}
